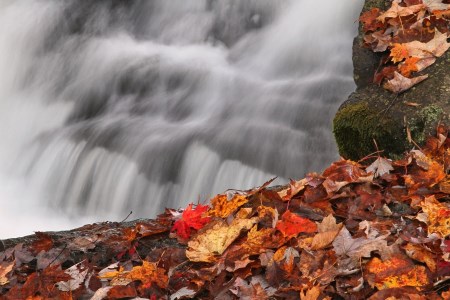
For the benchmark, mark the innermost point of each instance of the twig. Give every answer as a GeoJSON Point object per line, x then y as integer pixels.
{"type": "Point", "coordinates": [126, 217]}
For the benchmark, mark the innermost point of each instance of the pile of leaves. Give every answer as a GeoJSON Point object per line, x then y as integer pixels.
{"type": "Point", "coordinates": [411, 34]}
{"type": "Point", "coordinates": [374, 231]}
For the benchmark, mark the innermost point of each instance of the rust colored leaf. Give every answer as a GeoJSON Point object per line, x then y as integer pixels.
{"type": "Point", "coordinates": [369, 20]}
{"type": "Point", "coordinates": [291, 224]}
{"type": "Point", "coordinates": [191, 219]}
{"type": "Point", "coordinates": [43, 243]}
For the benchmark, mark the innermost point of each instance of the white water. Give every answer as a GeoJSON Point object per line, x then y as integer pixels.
{"type": "Point", "coordinates": [111, 106]}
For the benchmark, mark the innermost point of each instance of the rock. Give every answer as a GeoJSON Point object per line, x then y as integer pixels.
{"type": "Point", "coordinates": [374, 114]}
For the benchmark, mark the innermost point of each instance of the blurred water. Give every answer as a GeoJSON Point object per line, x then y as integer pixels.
{"type": "Point", "coordinates": [109, 106]}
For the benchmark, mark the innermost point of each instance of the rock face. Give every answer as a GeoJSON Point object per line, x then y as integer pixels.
{"type": "Point", "coordinates": [374, 114]}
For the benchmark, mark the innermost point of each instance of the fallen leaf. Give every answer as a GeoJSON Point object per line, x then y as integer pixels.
{"type": "Point", "coordinates": [5, 268]}
{"type": "Point", "coordinates": [206, 246]}
{"type": "Point", "coordinates": [292, 224]}
{"type": "Point", "coordinates": [438, 216]}
{"type": "Point", "coordinates": [222, 207]}
{"type": "Point", "coordinates": [191, 219]}
{"type": "Point", "coordinates": [328, 230]}
{"type": "Point", "coordinates": [400, 83]}
{"type": "Point", "coordinates": [78, 273]}
{"type": "Point", "coordinates": [396, 272]}
{"type": "Point", "coordinates": [399, 11]}
{"type": "Point", "coordinates": [380, 167]}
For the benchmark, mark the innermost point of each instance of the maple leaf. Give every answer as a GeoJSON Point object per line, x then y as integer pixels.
{"type": "Point", "coordinates": [369, 19]}
{"type": "Point", "coordinates": [206, 246]}
{"type": "Point", "coordinates": [399, 11]}
{"type": "Point", "coordinates": [401, 83]}
{"type": "Point", "coordinates": [437, 216]}
{"type": "Point", "coordinates": [436, 47]}
{"type": "Point", "coordinates": [399, 52]}
{"type": "Point", "coordinates": [396, 272]}
{"type": "Point", "coordinates": [147, 273]}
{"type": "Point", "coordinates": [222, 207]}
{"type": "Point", "coordinates": [328, 230]}
{"type": "Point", "coordinates": [421, 254]}
{"type": "Point", "coordinates": [78, 273]}
{"type": "Point", "coordinates": [345, 245]}
{"type": "Point", "coordinates": [292, 224]}
{"type": "Point", "coordinates": [191, 218]}
{"type": "Point", "coordinates": [409, 66]}
{"type": "Point", "coordinates": [380, 167]}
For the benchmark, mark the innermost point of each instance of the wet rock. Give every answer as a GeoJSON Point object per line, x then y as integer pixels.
{"type": "Point", "coordinates": [374, 114]}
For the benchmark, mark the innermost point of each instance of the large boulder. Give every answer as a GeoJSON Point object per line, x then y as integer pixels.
{"type": "Point", "coordinates": [373, 114]}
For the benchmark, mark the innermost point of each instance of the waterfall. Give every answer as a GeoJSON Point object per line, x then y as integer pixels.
{"type": "Point", "coordinates": [110, 106]}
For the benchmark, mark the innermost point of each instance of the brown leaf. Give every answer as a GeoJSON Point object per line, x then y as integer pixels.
{"type": "Point", "coordinates": [400, 83]}
{"type": "Point", "coordinates": [328, 230]}
{"type": "Point", "coordinates": [380, 167]}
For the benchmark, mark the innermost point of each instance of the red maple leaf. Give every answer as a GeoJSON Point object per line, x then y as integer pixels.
{"type": "Point", "coordinates": [191, 218]}
{"type": "Point", "coordinates": [292, 224]}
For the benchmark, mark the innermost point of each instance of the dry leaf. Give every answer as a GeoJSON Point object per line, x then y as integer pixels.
{"type": "Point", "coordinates": [400, 83]}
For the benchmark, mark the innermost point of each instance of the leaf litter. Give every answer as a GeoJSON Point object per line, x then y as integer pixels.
{"type": "Point", "coordinates": [379, 230]}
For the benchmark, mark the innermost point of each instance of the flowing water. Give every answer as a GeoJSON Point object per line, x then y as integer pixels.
{"type": "Point", "coordinates": [109, 106]}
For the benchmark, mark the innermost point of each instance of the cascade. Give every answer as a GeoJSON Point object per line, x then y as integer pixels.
{"type": "Point", "coordinates": [110, 106]}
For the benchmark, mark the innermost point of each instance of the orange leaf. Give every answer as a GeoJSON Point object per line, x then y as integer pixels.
{"type": "Point", "coordinates": [409, 66]}
{"type": "Point", "coordinates": [396, 272]}
{"type": "Point", "coordinates": [222, 207]}
{"type": "Point", "coordinates": [438, 216]}
{"type": "Point", "coordinates": [291, 224]}
{"type": "Point", "coordinates": [398, 53]}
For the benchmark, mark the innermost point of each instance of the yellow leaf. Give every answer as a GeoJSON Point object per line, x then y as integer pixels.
{"type": "Point", "coordinates": [438, 216]}
{"type": "Point", "coordinates": [222, 207]}
{"type": "Point", "coordinates": [5, 268]}
{"type": "Point", "coordinates": [215, 239]}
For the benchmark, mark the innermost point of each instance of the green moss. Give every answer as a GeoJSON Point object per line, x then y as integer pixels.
{"type": "Point", "coordinates": [424, 123]}
{"type": "Point", "coordinates": [356, 126]}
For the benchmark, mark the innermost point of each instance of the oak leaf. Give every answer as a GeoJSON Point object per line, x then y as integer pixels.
{"type": "Point", "coordinates": [191, 219]}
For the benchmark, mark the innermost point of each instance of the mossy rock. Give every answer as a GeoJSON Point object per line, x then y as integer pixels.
{"type": "Point", "coordinates": [373, 116]}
